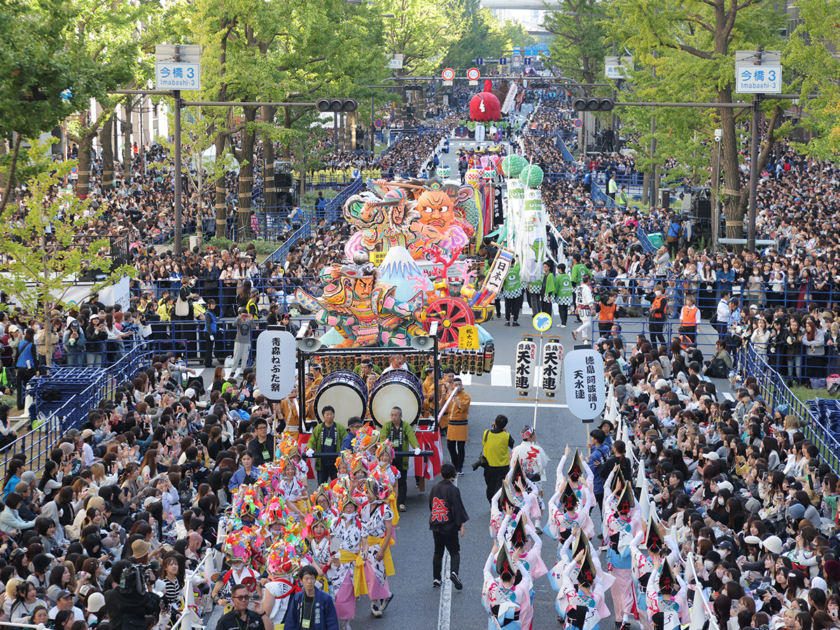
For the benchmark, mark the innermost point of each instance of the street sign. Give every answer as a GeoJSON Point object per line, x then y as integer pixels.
{"type": "Point", "coordinates": [542, 322]}
{"type": "Point", "coordinates": [552, 357]}
{"type": "Point", "coordinates": [758, 79]}
{"type": "Point", "coordinates": [479, 61]}
{"type": "Point", "coordinates": [473, 74]}
{"type": "Point", "coordinates": [377, 123]}
{"type": "Point", "coordinates": [275, 363]}
{"type": "Point", "coordinates": [503, 61]}
{"type": "Point", "coordinates": [526, 356]}
{"type": "Point", "coordinates": [448, 74]}
{"type": "Point", "coordinates": [177, 76]}
{"type": "Point", "coordinates": [617, 67]}
{"type": "Point", "coordinates": [517, 60]}
{"type": "Point", "coordinates": [527, 61]}
{"type": "Point", "coordinates": [585, 391]}
{"type": "Point", "coordinates": [578, 123]}
{"type": "Point", "coordinates": [396, 62]}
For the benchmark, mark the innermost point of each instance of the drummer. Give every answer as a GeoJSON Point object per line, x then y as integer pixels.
{"type": "Point", "coordinates": [289, 411]}
{"type": "Point", "coordinates": [398, 363]}
{"type": "Point", "coordinates": [429, 391]}
{"type": "Point", "coordinates": [311, 389]}
{"type": "Point", "coordinates": [366, 367]}
{"type": "Point", "coordinates": [317, 375]}
{"type": "Point", "coordinates": [401, 436]}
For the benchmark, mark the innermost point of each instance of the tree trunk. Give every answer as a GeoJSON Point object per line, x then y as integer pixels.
{"type": "Point", "coordinates": [221, 210]}
{"type": "Point", "coordinates": [246, 175]}
{"type": "Point", "coordinates": [764, 155]}
{"type": "Point", "coordinates": [269, 184]}
{"type": "Point", "coordinates": [127, 154]}
{"type": "Point", "coordinates": [107, 155]}
{"type": "Point", "coordinates": [729, 167]}
{"type": "Point", "coordinates": [85, 143]}
{"type": "Point", "coordinates": [10, 178]}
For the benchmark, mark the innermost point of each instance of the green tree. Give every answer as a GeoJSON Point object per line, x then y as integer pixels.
{"type": "Point", "coordinates": [687, 48]}
{"type": "Point", "coordinates": [809, 54]}
{"type": "Point", "coordinates": [45, 253]}
{"type": "Point", "coordinates": [580, 42]}
{"type": "Point", "coordinates": [43, 78]}
{"type": "Point", "coordinates": [422, 31]}
{"type": "Point", "coordinates": [483, 36]}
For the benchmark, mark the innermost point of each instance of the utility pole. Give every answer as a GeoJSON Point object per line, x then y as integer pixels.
{"type": "Point", "coordinates": [756, 119]}
{"type": "Point", "coordinates": [715, 187]}
{"type": "Point", "coordinates": [372, 128]}
{"type": "Point", "coordinates": [179, 219]}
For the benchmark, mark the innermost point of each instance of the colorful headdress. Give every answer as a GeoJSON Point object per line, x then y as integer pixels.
{"type": "Point", "coordinates": [575, 471]}
{"type": "Point", "coordinates": [288, 446]}
{"type": "Point", "coordinates": [626, 501]}
{"type": "Point", "coordinates": [344, 458]}
{"type": "Point", "coordinates": [505, 498]}
{"type": "Point", "coordinates": [667, 579]}
{"type": "Point", "coordinates": [359, 465]}
{"type": "Point", "coordinates": [385, 447]}
{"type": "Point", "coordinates": [247, 503]}
{"type": "Point", "coordinates": [344, 497]}
{"type": "Point", "coordinates": [322, 491]}
{"type": "Point", "coordinates": [568, 496]}
{"type": "Point", "coordinates": [654, 540]}
{"type": "Point", "coordinates": [270, 474]}
{"type": "Point", "coordinates": [275, 511]}
{"type": "Point", "coordinates": [366, 438]}
{"type": "Point", "coordinates": [378, 485]}
{"type": "Point", "coordinates": [283, 559]}
{"type": "Point", "coordinates": [239, 546]}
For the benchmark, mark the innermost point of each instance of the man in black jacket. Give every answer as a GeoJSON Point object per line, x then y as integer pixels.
{"type": "Point", "coordinates": [262, 446]}
{"type": "Point", "coordinates": [127, 607]}
{"type": "Point", "coordinates": [447, 520]}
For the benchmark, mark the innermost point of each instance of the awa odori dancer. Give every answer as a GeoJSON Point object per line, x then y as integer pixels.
{"type": "Point", "coordinates": [571, 548]}
{"type": "Point", "coordinates": [565, 513]}
{"type": "Point", "coordinates": [519, 499]}
{"type": "Point", "coordinates": [578, 474]}
{"type": "Point", "coordinates": [583, 601]}
{"type": "Point", "coordinates": [621, 527]}
{"type": "Point", "coordinates": [533, 459]}
{"type": "Point", "coordinates": [520, 482]}
{"type": "Point", "coordinates": [379, 565]}
{"type": "Point", "coordinates": [666, 598]}
{"type": "Point", "coordinates": [504, 597]}
{"type": "Point", "coordinates": [644, 565]}
{"type": "Point", "coordinates": [347, 576]}
{"type": "Point", "coordinates": [528, 561]}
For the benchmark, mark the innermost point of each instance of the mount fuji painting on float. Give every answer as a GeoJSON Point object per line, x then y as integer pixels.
{"type": "Point", "coordinates": [401, 270]}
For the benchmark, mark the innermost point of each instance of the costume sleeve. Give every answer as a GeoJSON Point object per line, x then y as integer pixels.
{"type": "Point", "coordinates": [409, 435]}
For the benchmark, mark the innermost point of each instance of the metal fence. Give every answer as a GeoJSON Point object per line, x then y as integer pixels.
{"type": "Point", "coordinates": [38, 443]}
{"type": "Point", "coordinates": [774, 390]}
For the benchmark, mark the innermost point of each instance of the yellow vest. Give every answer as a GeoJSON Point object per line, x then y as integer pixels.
{"type": "Point", "coordinates": [496, 448]}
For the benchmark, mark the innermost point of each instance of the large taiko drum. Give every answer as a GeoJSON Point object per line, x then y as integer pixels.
{"type": "Point", "coordinates": [344, 391]}
{"type": "Point", "coordinates": [397, 388]}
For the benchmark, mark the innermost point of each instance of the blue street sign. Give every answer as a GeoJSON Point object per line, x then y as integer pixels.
{"type": "Point", "coordinates": [479, 61]}
{"type": "Point", "coordinates": [527, 61]}
{"type": "Point", "coordinates": [503, 61]}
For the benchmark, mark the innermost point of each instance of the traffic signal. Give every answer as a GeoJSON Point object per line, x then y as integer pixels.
{"type": "Point", "coordinates": [413, 87]}
{"type": "Point", "coordinates": [593, 104]}
{"type": "Point", "coordinates": [336, 105]}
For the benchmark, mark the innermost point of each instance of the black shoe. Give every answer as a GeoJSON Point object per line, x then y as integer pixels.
{"type": "Point", "coordinates": [456, 581]}
{"type": "Point", "coordinates": [516, 323]}
{"type": "Point", "coordinates": [435, 583]}
{"type": "Point", "coordinates": [507, 323]}
{"type": "Point", "coordinates": [384, 603]}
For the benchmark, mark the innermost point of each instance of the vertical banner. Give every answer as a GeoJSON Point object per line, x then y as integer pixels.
{"type": "Point", "coordinates": [526, 355]}
{"type": "Point", "coordinates": [552, 357]}
{"type": "Point", "coordinates": [586, 393]}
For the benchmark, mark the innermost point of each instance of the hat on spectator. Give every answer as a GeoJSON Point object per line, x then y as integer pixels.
{"type": "Point", "coordinates": [773, 544]}
{"type": "Point", "coordinates": [64, 593]}
{"type": "Point", "coordinates": [13, 328]}
{"type": "Point", "coordinates": [28, 477]}
{"type": "Point", "coordinates": [796, 511]}
{"type": "Point", "coordinates": [189, 393]}
{"type": "Point", "coordinates": [73, 433]}
{"type": "Point", "coordinates": [66, 447]}
{"type": "Point", "coordinates": [95, 602]}
{"type": "Point", "coordinates": [87, 433]}
{"type": "Point", "coordinates": [140, 548]}
{"type": "Point", "coordinates": [661, 384]}
{"type": "Point", "coordinates": [148, 501]}
{"type": "Point", "coordinates": [832, 569]}
{"type": "Point", "coordinates": [711, 456]}
{"type": "Point", "coordinates": [753, 506]}
{"type": "Point", "coordinates": [724, 485]}
{"type": "Point", "coordinates": [752, 540]}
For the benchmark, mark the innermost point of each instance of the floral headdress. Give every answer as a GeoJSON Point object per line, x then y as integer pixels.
{"type": "Point", "coordinates": [367, 437]}
{"type": "Point", "coordinates": [283, 559]}
{"type": "Point", "coordinates": [385, 447]}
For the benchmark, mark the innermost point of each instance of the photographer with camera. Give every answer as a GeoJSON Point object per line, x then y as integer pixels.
{"type": "Point", "coordinates": [129, 601]}
{"type": "Point", "coordinates": [241, 618]}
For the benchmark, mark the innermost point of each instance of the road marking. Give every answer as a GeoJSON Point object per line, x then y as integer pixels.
{"type": "Point", "coordinates": [501, 376]}
{"type": "Point", "coordinates": [518, 404]}
{"type": "Point", "coordinates": [445, 610]}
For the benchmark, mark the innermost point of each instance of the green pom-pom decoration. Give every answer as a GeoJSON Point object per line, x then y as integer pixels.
{"type": "Point", "coordinates": [532, 176]}
{"type": "Point", "coordinates": [512, 165]}
{"type": "Point", "coordinates": [444, 171]}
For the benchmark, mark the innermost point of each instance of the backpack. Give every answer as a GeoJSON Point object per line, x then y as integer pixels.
{"type": "Point", "coordinates": [717, 369]}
